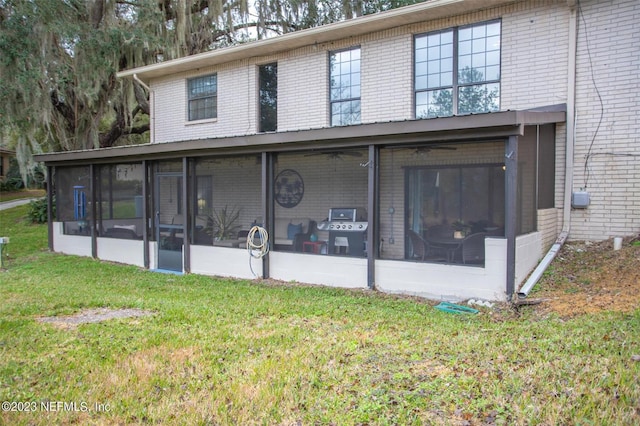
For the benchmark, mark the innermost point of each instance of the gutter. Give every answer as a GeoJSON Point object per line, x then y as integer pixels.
{"type": "Point", "coordinates": [569, 153]}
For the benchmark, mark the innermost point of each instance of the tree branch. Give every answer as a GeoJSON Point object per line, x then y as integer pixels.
{"type": "Point", "coordinates": [65, 110]}
{"type": "Point", "coordinates": [141, 98]}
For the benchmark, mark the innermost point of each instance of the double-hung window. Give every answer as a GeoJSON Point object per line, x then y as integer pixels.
{"type": "Point", "coordinates": [457, 71]}
{"type": "Point", "coordinates": [203, 97]}
{"type": "Point", "coordinates": [344, 84]}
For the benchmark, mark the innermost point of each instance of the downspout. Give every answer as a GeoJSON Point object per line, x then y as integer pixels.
{"type": "Point", "coordinates": [569, 152]}
{"type": "Point", "coordinates": [152, 101]}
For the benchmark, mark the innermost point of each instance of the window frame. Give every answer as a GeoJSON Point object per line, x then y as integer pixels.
{"type": "Point", "coordinates": [345, 100]}
{"type": "Point", "coordinates": [262, 107]}
{"type": "Point", "coordinates": [459, 168]}
{"type": "Point", "coordinates": [456, 84]}
{"type": "Point", "coordinates": [191, 98]}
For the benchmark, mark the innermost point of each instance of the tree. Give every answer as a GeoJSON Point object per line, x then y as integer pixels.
{"type": "Point", "coordinates": [58, 89]}
{"type": "Point", "coordinates": [59, 61]}
{"type": "Point", "coordinates": [476, 98]}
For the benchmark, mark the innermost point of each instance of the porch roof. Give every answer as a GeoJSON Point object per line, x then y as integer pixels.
{"type": "Point", "coordinates": [424, 11]}
{"type": "Point", "coordinates": [489, 126]}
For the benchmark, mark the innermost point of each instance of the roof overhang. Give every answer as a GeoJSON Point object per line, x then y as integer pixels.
{"type": "Point", "coordinates": [420, 12]}
{"type": "Point", "coordinates": [466, 128]}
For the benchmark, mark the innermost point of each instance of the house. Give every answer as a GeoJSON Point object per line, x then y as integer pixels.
{"type": "Point", "coordinates": [439, 149]}
{"type": "Point", "coordinates": [5, 157]}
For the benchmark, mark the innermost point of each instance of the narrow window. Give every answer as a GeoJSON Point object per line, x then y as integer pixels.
{"type": "Point", "coordinates": [203, 97]}
{"type": "Point", "coordinates": [434, 74]}
{"type": "Point", "coordinates": [268, 94]}
{"type": "Point", "coordinates": [344, 82]}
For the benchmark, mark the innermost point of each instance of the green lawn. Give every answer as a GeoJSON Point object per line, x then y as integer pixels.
{"type": "Point", "coordinates": [220, 351]}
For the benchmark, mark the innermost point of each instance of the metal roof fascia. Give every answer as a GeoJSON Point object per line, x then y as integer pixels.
{"type": "Point", "coordinates": [448, 128]}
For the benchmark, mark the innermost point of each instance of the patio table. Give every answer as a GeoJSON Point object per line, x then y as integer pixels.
{"type": "Point", "coordinates": [448, 244]}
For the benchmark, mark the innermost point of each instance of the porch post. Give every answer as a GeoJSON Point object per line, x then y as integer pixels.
{"type": "Point", "coordinates": [186, 215]}
{"type": "Point", "coordinates": [94, 211]}
{"type": "Point", "coordinates": [50, 207]}
{"type": "Point", "coordinates": [511, 209]}
{"type": "Point", "coordinates": [372, 214]}
{"type": "Point", "coordinates": [267, 203]}
{"type": "Point", "coordinates": [145, 213]}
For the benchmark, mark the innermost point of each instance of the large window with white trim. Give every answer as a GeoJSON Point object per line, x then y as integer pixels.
{"type": "Point", "coordinates": [457, 71]}
{"type": "Point", "coordinates": [203, 97]}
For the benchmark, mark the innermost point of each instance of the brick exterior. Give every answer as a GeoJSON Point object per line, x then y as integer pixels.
{"type": "Point", "coordinates": [535, 57]}
{"type": "Point", "coordinates": [607, 156]}
{"type": "Point", "coordinates": [303, 92]}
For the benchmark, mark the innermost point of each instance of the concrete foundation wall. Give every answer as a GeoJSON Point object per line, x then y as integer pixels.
{"type": "Point", "coordinates": [448, 282]}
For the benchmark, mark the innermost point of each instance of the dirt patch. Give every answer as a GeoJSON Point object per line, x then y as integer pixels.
{"type": "Point", "coordinates": [589, 278]}
{"type": "Point", "coordinates": [93, 315]}
{"type": "Point", "coordinates": [25, 193]}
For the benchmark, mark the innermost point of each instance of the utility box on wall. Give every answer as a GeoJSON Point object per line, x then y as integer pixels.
{"type": "Point", "coordinates": [580, 199]}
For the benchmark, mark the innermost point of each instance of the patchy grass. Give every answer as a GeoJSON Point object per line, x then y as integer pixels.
{"type": "Point", "coordinates": [219, 351]}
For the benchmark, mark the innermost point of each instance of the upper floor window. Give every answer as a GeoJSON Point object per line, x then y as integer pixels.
{"type": "Point", "coordinates": [457, 71]}
{"type": "Point", "coordinates": [268, 95]}
{"type": "Point", "coordinates": [203, 97]}
{"type": "Point", "coordinates": [344, 84]}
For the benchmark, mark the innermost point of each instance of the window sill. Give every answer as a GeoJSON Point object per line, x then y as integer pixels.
{"type": "Point", "coordinates": [205, 121]}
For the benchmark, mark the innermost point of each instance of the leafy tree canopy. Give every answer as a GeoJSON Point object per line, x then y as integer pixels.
{"type": "Point", "coordinates": [58, 61]}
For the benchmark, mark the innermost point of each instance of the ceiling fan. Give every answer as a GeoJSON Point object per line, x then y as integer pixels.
{"type": "Point", "coordinates": [336, 155]}
{"type": "Point", "coordinates": [429, 148]}
{"type": "Point", "coordinates": [425, 149]}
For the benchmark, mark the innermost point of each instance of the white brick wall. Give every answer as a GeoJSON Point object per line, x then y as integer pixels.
{"type": "Point", "coordinates": [387, 79]}
{"type": "Point", "coordinates": [328, 182]}
{"type": "Point", "coordinates": [534, 57]}
{"type": "Point", "coordinates": [607, 158]}
{"type": "Point", "coordinates": [303, 91]}
{"type": "Point", "coordinates": [548, 227]}
{"type": "Point", "coordinates": [236, 186]}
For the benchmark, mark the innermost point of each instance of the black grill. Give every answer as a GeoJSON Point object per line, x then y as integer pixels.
{"type": "Point", "coordinates": [347, 231]}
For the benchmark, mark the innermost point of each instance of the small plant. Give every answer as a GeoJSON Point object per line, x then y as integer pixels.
{"type": "Point", "coordinates": [37, 212]}
{"type": "Point", "coordinates": [225, 223]}
{"type": "Point", "coordinates": [459, 225]}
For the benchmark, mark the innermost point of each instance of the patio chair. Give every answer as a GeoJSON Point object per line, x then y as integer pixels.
{"type": "Point", "coordinates": [122, 233]}
{"type": "Point", "coordinates": [419, 247]}
{"type": "Point", "coordinates": [300, 238]}
{"type": "Point", "coordinates": [439, 239]}
{"type": "Point", "coordinates": [473, 248]}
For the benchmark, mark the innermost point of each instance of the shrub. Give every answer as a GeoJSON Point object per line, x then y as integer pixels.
{"type": "Point", "coordinates": [11, 184]}
{"type": "Point", "coordinates": [38, 210]}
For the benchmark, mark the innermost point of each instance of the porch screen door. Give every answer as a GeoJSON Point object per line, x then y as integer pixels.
{"type": "Point", "coordinates": [169, 219]}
